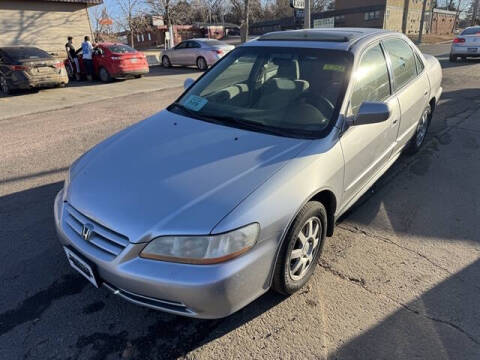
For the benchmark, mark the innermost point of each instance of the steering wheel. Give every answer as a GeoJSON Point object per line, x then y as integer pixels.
{"type": "Point", "coordinates": [324, 105]}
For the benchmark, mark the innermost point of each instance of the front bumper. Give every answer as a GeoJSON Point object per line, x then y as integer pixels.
{"type": "Point", "coordinates": [201, 291]}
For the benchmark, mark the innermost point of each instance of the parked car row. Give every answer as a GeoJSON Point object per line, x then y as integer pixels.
{"type": "Point", "coordinates": [28, 67]}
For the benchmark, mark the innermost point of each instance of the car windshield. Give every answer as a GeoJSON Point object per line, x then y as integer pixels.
{"type": "Point", "coordinates": [25, 53]}
{"type": "Point", "coordinates": [471, 31]}
{"type": "Point", "coordinates": [121, 49]}
{"type": "Point", "coordinates": [290, 91]}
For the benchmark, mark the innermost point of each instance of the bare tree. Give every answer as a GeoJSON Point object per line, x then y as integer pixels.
{"type": "Point", "coordinates": [131, 18]}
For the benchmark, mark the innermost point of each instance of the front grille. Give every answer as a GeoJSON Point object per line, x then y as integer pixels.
{"type": "Point", "coordinates": [102, 238]}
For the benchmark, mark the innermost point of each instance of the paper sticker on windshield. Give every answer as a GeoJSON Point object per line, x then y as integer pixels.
{"type": "Point", "coordinates": [195, 102]}
{"type": "Point", "coordinates": [334, 67]}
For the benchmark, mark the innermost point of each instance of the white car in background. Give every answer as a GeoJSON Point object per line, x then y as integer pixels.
{"type": "Point", "coordinates": [467, 44]}
{"type": "Point", "coordinates": [199, 52]}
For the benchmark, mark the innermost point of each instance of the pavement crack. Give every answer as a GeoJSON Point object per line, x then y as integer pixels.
{"type": "Point", "coordinates": [362, 284]}
{"type": "Point", "coordinates": [356, 230]}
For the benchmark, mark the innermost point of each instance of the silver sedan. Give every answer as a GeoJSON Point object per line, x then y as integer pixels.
{"type": "Point", "coordinates": [199, 52]}
{"type": "Point", "coordinates": [467, 44]}
{"type": "Point", "coordinates": [233, 189]}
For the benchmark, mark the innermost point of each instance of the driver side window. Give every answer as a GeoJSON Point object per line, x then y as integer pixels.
{"type": "Point", "coordinates": [372, 82]}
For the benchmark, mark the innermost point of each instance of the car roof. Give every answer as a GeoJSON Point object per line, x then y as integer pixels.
{"type": "Point", "coordinates": [325, 38]}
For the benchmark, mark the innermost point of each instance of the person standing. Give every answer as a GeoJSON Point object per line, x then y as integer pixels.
{"type": "Point", "coordinates": [72, 57]}
{"type": "Point", "coordinates": [87, 57]}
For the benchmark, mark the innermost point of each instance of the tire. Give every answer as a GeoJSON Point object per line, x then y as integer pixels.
{"type": "Point", "coordinates": [202, 63]}
{"type": "Point", "coordinates": [138, 76]}
{"type": "Point", "coordinates": [4, 87]}
{"type": "Point", "coordinates": [453, 58]}
{"type": "Point", "coordinates": [166, 62]}
{"type": "Point", "coordinates": [104, 75]}
{"type": "Point", "coordinates": [290, 275]}
{"type": "Point", "coordinates": [418, 138]}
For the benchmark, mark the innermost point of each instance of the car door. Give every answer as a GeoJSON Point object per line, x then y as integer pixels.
{"type": "Point", "coordinates": [193, 53]}
{"type": "Point", "coordinates": [410, 85]}
{"type": "Point", "coordinates": [177, 55]}
{"type": "Point", "coordinates": [367, 148]}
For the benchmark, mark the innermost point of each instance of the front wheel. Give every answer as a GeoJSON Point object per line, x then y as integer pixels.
{"type": "Point", "coordinates": [418, 138]}
{"type": "Point", "coordinates": [202, 64]}
{"type": "Point", "coordinates": [301, 249]}
{"type": "Point", "coordinates": [166, 62]}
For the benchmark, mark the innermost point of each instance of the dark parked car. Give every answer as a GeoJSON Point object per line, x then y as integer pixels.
{"type": "Point", "coordinates": [28, 67]}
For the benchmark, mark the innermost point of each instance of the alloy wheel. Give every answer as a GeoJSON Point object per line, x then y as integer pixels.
{"type": "Point", "coordinates": [422, 128]}
{"type": "Point", "coordinates": [202, 64]}
{"type": "Point", "coordinates": [303, 252]}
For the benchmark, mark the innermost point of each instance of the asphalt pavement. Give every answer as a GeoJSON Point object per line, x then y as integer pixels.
{"type": "Point", "coordinates": [399, 279]}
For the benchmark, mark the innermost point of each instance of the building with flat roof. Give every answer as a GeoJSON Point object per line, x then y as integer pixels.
{"type": "Point", "coordinates": [45, 23]}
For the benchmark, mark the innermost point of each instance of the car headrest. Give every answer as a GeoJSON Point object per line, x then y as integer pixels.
{"type": "Point", "coordinates": [287, 68]}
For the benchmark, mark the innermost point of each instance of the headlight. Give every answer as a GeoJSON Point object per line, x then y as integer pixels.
{"type": "Point", "coordinates": [210, 249]}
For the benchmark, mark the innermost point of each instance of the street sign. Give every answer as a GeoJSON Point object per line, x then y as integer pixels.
{"type": "Point", "coordinates": [297, 4]}
{"type": "Point", "coordinates": [324, 23]}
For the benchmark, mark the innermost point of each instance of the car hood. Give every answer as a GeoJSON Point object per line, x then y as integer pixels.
{"type": "Point", "coordinates": [174, 175]}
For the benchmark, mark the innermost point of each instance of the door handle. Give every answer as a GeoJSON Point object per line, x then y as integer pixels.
{"type": "Point", "coordinates": [425, 93]}
{"type": "Point", "coordinates": [395, 121]}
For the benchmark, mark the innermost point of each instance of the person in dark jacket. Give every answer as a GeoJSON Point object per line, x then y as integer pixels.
{"type": "Point", "coordinates": [72, 56]}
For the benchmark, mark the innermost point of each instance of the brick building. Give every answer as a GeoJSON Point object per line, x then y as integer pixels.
{"type": "Point", "coordinates": [44, 23]}
{"type": "Point", "coordinates": [397, 15]}
{"type": "Point", "coordinates": [442, 22]}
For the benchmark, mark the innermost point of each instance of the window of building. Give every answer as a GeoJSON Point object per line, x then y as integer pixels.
{"type": "Point", "coordinates": [372, 15]}
{"type": "Point", "coordinates": [149, 36]}
{"type": "Point", "coordinates": [340, 19]}
{"type": "Point", "coordinates": [403, 61]}
{"type": "Point", "coordinates": [143, 38]}
{"type": "Point", "coordinates": [138, 38]}
{"type": "Point", "coordinates": [372, 82]}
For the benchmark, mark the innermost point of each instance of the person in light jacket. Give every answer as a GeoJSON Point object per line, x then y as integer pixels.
{"type": "Point", "coordinates": [87, 56]}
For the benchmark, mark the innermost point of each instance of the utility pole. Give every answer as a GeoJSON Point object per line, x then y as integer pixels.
{"type": "Point", "coordinates": [422, 21]}
{"type": "Point", "coordinates": [307, 14]}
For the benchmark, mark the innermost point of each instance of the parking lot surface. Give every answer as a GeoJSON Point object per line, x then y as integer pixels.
{"type": "Point", "coordinates": [399, 279]}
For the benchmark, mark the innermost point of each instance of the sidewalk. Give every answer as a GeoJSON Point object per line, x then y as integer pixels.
{"type": "Point", "coordinates": [77, 93]}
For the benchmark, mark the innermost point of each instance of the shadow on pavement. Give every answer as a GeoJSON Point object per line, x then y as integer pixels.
{"type": "Point", "coordinates": [94, 323]}
{"type": "Point", "coordinates": [440, 324]}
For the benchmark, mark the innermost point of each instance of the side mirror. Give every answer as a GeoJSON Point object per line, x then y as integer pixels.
{"type": "Point", "coordinates": [187, 83]}
{"type": "Point", "coordinates": [372, 113]}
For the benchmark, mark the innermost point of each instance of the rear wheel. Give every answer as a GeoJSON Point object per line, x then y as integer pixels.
{"type": "Point", "coordinates": [138, 76]}
{"type": "Point", "coordinates": [420, 133]}
{"type": "Point", "coordinates": [301, 249]}
{"type": "Point", "coordinates": [4, 87]}
{"type": "Point", "coordinates": [166, 61]}
{"type": "Point", "coordinates": [104, 75]}
{"type": "Point", "coordinates": [202, 63]}
{"type": "Point", "coordinates": [453, 58]}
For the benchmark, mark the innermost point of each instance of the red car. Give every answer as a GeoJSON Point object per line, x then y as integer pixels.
{"type": "Point", "coordinates": [113, 61]}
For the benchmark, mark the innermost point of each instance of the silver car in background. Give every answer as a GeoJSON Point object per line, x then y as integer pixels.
{"type": "Point", "coordinates": [467, 44]}
{"type": "Point", "coordinates": [199, 52]}
{"type": "Point", "coordinates": [232, 190]}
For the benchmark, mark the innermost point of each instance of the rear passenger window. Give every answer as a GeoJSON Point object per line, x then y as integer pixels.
{"type": "Point", "coordinates": [372, 82]}
{"type": "Point", "coordinates": [403, 61]}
